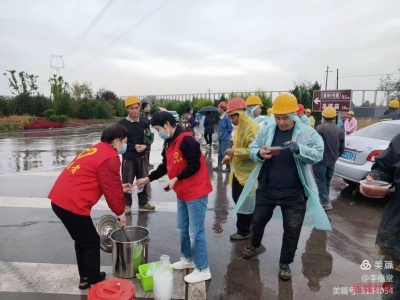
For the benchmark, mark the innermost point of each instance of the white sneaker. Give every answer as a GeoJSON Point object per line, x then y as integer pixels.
{"type": "Point", "coordinates": [198, 276]}
{"type": "Point", "coordinates": [183, 264]}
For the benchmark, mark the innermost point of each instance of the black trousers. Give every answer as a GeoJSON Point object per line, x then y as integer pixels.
{"type": "Point", "coordinates": [243, 221]}
{"type": "Point", "coordinates": [293, 212]}
{"type": "Point", "coordinates": [208, 138]}
{"type": "Point", "coordinates": [136, 168]}
{"type": "Point", "coordinates": [87, 242]}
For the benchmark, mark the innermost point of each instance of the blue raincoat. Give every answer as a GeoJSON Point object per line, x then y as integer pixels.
{"type": "Point", "coordinates": [311, 148]}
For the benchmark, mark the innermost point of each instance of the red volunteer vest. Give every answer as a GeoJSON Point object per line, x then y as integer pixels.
{"type": "Point", "coordinates": [77, 188]}
{"type": "Point", "coordinates": [197, 185]}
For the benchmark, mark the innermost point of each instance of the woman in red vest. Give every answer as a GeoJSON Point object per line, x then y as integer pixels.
{"type": "Point", "coordinates": [185, 165]}
{"type": "Point", "coordinates": [93, 173]}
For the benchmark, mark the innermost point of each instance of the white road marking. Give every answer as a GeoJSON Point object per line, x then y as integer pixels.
{"type": "Point", "coordinates": [62, 279]}
{"type": "Point", "coordinates": [30, 202]}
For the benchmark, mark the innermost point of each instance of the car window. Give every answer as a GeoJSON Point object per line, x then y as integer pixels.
{"type": "Point", "coordinates": [379, 131]}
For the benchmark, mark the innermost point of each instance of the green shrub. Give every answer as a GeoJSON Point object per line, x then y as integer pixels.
{"type": "Point", "coordinates": [120, 110]}
{"type": "Point", "coordinates": [54, 118]}
{"type": "Point", "coordinates": [25, 104]}
{"type": "Point", "coordinates": [66, 105]}
{"type": "Point", "coordinates": [63, 119]}
{"type": "Point", "coordinates": [42, 103]}
{"type": "Point", "coordinates": [102, 111]}
{"type": "Point", "coordinates": [48, 113]}
{"type": "Point", "coordinates": [86, 111]}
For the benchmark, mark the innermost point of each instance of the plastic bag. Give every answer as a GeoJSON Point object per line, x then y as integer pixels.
{"type": "Point", "coordinates": [163, 280]}
{"type": "Point", "coordinates": [151, 269]}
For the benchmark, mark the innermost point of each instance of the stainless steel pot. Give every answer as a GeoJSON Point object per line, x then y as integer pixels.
{"type": "Point", "coordinates": [126, 256]}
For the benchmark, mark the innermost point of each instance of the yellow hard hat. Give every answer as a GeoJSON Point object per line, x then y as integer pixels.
{"type": "Point", "coordinates": [253, 100]}
{"type": "Point", "coordinates": [308, 110]}
{"type": "Point", "coordinates": [394, 103]}
{"type": "Point", "coordinates": [130, 100]}
{"type": "Point", "coordinates": [284, 103]}
{"type": "Point", "coordinates": [351, 113]}
{"type": "Point", "coordinates": [329, 112]}
{"type": "Point", "coordinates": [269, 111]}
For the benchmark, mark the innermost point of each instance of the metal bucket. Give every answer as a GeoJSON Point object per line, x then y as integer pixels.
{"type": "Point", "coordinates": [128, 256]}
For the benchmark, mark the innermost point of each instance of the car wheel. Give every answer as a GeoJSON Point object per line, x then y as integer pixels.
{"type": "Point", "coordinates": [351, 183]}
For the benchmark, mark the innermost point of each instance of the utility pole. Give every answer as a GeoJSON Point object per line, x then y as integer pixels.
{"type": "Point", "coordinates": [337, 79]}
{"type": "Point", "coordinates": [57, 63]}
{"type": "Point", "coordinates": [326, 79]}
{"type": "Point", "coordinates": [209, 93]}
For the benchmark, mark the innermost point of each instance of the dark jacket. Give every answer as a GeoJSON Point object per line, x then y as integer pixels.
{"type": "Point", "coordinates": [390, 114]}
{"type": "Point", "coordinates": [136, 136]}
{"type": "Point", "coordinates": [333, 137]}
{"type": "Point", "coordinates": [209, 123]}
{"type": "Point", "coordinates": [191, 152]}
{"type": "Point", "coordinates": [387, 168]}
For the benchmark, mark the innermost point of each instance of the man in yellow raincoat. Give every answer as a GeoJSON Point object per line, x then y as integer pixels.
{"type": "Point", "coordinates": [238, 157]}
{"type": "Point", "coordinates": [284, 179]}
{"type": "Point", "coordinates": [312, 119]}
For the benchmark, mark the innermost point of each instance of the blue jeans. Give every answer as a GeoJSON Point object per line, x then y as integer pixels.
{"type": "Point", "coordinates": [323, 175]}
{"type": "Point", "coordinates": [222, 146]}
{"type": "Point", "coordinates": [190, 225]}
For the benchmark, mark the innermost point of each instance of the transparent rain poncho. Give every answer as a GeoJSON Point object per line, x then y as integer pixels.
{"type": "Point", "coordinates": [245, 133]}
{"type": "Point", "coordinates": [250, 111]}
{"type": "Point", "coordinates": [311, 148]}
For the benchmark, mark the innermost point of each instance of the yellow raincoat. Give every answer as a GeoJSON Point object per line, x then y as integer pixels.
{"type": "Point", "coordinates": [245, 133]}
{"type": "Point", "coordinates": [312, 121]}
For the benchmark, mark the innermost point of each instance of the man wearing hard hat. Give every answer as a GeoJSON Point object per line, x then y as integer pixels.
{"type": "Point", "coordinates": [333, 137]}
{"type": "Point", "coordinates": [238, 157]}
{"type": "Point", "coordinates": [392, 113]}
{"type": "Point", "coordinates": [312, 120]}
{"type": "Point", "coordinates": [254, 105]}
{"type": "Point", "coordinates": [284, 149]}
{"type": "Point", "coordinates": [300, 113]}
{"type": "Point", "coordinates": [343, 119]}
{"type": "Point", "coordinates": [135, 163]}
{"type": "Point", "coordinates": [350, 125]}
{"type": "Point", "coordinates": [225, 129]}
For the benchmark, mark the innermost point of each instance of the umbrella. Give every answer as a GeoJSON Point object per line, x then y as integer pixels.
{"type": "Point", "coordinates": [162, 109]}
{"type": "Point", "coordinates": [205, 109]}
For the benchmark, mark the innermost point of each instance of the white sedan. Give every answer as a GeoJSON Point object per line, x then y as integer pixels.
{"type": "Point", "coordinates": [361, 148]}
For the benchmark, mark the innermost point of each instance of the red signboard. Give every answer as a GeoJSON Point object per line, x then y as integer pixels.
{"type": "Point", "coordinates": [339, 99]}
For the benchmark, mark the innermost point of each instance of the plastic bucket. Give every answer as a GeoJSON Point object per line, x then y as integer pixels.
{"type": "Point", "coordinates": [147, 281]}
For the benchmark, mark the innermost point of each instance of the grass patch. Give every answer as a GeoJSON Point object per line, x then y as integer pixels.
{"type": "Point", "coordinates": [364, 122]}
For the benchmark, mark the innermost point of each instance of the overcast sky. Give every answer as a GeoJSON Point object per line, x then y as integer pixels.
{"type": "Point", "coordinates": [191, 46]}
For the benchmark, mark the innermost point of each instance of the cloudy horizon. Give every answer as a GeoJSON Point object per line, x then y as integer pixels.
{"type": "Point", "coordinates": [194, 46]}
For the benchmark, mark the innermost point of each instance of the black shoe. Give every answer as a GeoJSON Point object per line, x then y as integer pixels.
{"type": "Point", "coordinates": [84, 285]}
{"type": "Point", "coordinates": [284, 272]}
{"type": "Point", "coordinates": [249, 251]}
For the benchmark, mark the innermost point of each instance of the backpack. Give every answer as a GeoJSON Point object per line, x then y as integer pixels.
{"type": "Point", "coordinates": [185, 123]}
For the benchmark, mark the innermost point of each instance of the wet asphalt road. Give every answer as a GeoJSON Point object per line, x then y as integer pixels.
{"type": "Point", "coordinates": [30, 233]}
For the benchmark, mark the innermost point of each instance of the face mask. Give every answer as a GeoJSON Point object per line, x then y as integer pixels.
{"type": "Point", "coordinates": [163, 135]}
{"type": "Point", "coordinates": [123, 150]}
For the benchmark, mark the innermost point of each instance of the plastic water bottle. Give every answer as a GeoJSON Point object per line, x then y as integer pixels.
{"type": "Point", "coordinates": [163, 280]}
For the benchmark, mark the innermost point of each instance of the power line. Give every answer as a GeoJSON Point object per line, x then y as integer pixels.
{"type": "Point", "coordinates": [90, 27]}
{"type": "Point", "coordinates": [130, 29]}
{"type": "Point", "coordinates": [369, 75]}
